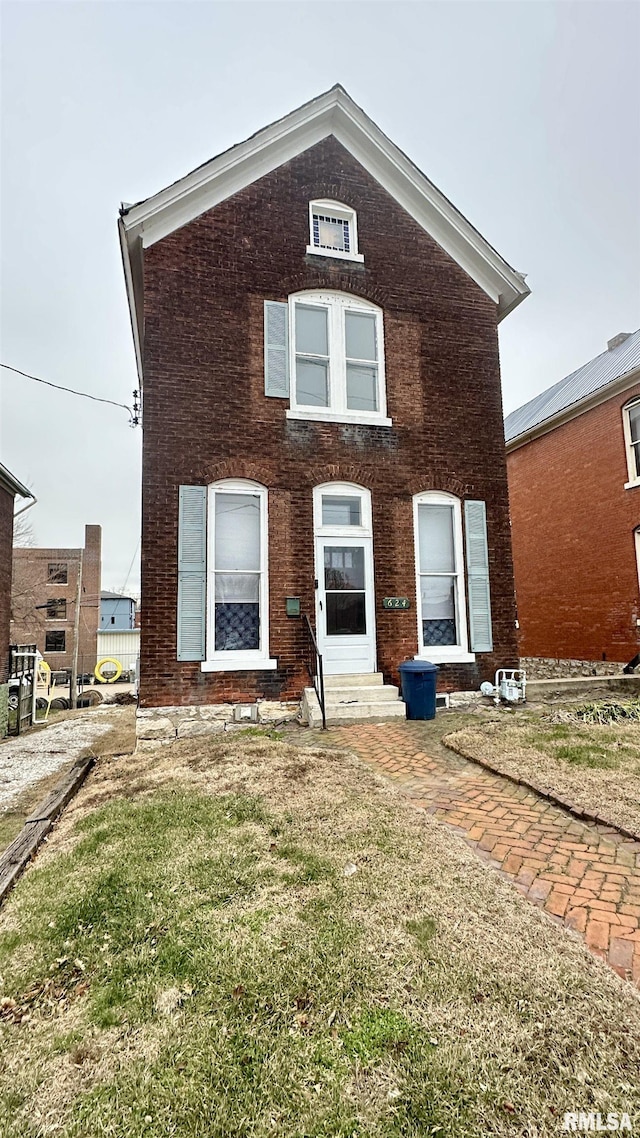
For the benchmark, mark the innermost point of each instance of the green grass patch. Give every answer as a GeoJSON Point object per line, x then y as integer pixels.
{"type": "Point", "coordinates": [584, 755]}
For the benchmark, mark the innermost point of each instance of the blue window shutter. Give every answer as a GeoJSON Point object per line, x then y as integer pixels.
{"type": "Point", "coordinates": [475, 518]}
{"type": "Point", "coordinates": [276, 349]}
{"type": "Point", "coordinates": [192, 572]}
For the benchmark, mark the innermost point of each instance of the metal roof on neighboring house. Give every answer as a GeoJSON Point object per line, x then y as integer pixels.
{"type": "Point", "coordinates": [592, 377]}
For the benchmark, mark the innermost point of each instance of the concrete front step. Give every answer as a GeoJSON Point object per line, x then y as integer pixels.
{"type": "Point", "coordinates": [355, 680]}
{"type": "Point", "coordinates": [361, 695]}
{"type": "Point", "coordinates": [341, 707]}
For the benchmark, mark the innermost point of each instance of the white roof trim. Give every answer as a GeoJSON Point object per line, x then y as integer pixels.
{"type": "Point", "coordinates": [333, 113]}
{"type": "Point", "coordinates": [9, 482]}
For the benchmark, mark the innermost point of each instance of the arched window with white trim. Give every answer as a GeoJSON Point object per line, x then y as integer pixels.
{"type": "Point", "coordinates": [440, 578]}
{"type": "Point", "coordinates": [336, 358]}
{"type": "Point", "coordinates": [223, 588]}
{"type": "Point", "coordinates": [237, 587]}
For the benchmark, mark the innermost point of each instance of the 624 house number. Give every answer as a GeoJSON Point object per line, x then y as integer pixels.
{"type": "Point", "coordinates": [395, 602]}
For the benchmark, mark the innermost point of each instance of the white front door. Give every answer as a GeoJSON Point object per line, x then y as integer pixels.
{"type": "Point", "coordinates": [345, 619]}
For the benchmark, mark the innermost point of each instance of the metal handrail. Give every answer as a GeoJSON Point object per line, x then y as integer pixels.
{"type": "Point", "coordinates": [314, 668]}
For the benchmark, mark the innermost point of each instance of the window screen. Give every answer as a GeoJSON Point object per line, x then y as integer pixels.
{"type": "Point", "coordinates": [237, 572]}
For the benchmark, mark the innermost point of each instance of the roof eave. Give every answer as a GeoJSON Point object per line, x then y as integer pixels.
{"type": "Point", "coordinates": [132, 263]}
{"type": "Point", "coordinates": [332, 113]}
{"type": "Point", "coordinates": [9, 482]}
{"type": "Point", "coordinates": [602, 395]}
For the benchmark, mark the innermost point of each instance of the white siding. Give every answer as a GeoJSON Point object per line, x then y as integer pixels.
{"type": "Point", "coordinates": [123, 646]}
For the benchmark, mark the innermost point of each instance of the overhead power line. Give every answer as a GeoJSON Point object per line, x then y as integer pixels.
{"type": "Point", "coordinates": [134, 414]}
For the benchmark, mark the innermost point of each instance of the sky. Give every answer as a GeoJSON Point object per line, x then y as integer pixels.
{"type": "Point", "coordinates": [526, 115]}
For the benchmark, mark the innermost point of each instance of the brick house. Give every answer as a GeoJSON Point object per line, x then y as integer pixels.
{"type": "Point", "coordinates": [10, 488]}
{"type": "Point", "coordinates": [573, 460]}
{"type": "Point", "coordinates": [44, 592]}
{"type": "Point", "coordinates": [315, 327]}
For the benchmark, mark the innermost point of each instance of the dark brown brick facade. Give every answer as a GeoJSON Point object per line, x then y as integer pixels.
{"type": "Point", "coordinates": [6, 550]}
{"type": "Point", "coordinates": [573, 539]}
{"type": "Point", "coordinates": [206, 416]}
{"type": "Point", "coordinates": [31, 588]}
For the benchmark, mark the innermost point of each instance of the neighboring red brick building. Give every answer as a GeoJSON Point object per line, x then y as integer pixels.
{"type": "Point", "coordinates": [9, 489]}
{"type": "Point", "coordinates": [316, 333]}
{"type": "Point", "coordinates": [573, 457]}
{"type": "Point", "coordinates": [43, 601]}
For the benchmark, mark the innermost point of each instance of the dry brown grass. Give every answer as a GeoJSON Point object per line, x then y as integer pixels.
{"type": "Point", "coordinates": [451, 1004]}
{"type": "Point", "coordinates": [597, 767]}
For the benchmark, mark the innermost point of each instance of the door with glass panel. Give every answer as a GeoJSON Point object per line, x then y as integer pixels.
{"type": "Point", "coordinates": [344, 575]}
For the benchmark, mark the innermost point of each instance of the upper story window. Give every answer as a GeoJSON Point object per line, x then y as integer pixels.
{"type": "Point", "coordinates": [56, 609]}
{"type": "Point", "coordinates": [333, 230]}
{"type": "Point", "coordinates": [631, 418]}
{"type": "Point", "coordinates": [55, 641]}
{"type": "Point", "coordinates": [337, 359]}
{"type": "Point", "coordinates": [57, 572]}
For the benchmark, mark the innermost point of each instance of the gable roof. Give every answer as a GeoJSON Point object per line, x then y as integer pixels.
{"type": "Point", "coordinates": [106, 596]}
{"type": "Point", "coordinates": [332, 113]}
{"type": "Point", "coordinates": [9, 482]}
{"type": "Point", "coordinates": [575, 393]}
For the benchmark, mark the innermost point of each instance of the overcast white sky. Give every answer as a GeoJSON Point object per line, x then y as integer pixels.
{"type": "Point", "coordinates": [526, 115]}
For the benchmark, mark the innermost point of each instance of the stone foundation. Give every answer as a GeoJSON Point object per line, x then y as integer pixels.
{"type": "Point", "coordinates": [4, 709]}
{"type": "Point", "coordinates": [157, 726]}
{"type": "Point", "coordinates": [461, 700]}
{"type": "Point", "coordinates": [541, 668]}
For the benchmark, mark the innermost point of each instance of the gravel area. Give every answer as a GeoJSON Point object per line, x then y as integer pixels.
{"type": "Point", "coordinates": [28, 758]}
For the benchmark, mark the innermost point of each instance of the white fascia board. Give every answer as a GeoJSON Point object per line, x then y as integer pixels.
{"type": "Point", "coordinates": [132, 265]}
{"type": "Point", "coordinates": [430, 208]}
{"type": "Point", "coordinates": [9, 482]}
{"type": "Point", "coordinates": [602, 395]}
{"type": "Point", "coordinates": [333, 113]}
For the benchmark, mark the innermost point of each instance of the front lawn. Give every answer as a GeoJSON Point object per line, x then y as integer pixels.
{"type": "Point", "coordinates": [240, 935]}
{"type": "Point", "coordinates": [593, 763]}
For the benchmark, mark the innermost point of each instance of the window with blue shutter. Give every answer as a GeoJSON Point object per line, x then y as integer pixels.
{"type": "Point", "coordinates": [276, 349]}
{"type": "Point", "coordinates": [475, 517]}
{"type": "Point", "coordinates": [440, 578]}
{"type": "Point", "coordinates": [192, 572]}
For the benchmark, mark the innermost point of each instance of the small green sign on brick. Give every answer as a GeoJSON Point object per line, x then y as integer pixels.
{"type": "Point", "coordinates": [396, 603]}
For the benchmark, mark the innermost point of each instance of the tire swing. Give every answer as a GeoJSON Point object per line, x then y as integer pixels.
{"type": "Point", "coordinates": [108, 679]}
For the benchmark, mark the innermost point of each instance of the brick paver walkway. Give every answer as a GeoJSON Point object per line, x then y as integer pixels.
{"type": "Point", "coordinates": [584, 875]}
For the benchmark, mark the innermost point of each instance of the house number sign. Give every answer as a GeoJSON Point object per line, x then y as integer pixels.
{"type": "Point", "coordinates": [395, 602]}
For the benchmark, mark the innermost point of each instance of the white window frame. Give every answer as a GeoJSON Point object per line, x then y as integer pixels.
{"type": "Point", "coordinates": [450, 653]}
{"type": "Point", "coordinates": [343, 213]}
{"type": "Point", "coordinates": [342, 490]}
{"type": "Point", "coordinates": [257, 658]}
{"type": "Point", "coordinates": [633, 472]}
{"type": "Point", "coordinates": [337, 304]}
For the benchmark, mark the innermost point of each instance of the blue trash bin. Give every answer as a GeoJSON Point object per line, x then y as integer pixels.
{"type": "Point", "coordinates": [418, 678]}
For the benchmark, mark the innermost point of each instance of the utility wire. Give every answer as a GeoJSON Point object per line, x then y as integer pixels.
{"type": "Point", "coordinates": [83, 394]}
{"type": "Point", "coordinates": [126, 580]}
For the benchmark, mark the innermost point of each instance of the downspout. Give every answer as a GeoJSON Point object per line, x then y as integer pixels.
{"type": "Point", "coordinates": [28, 506]}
